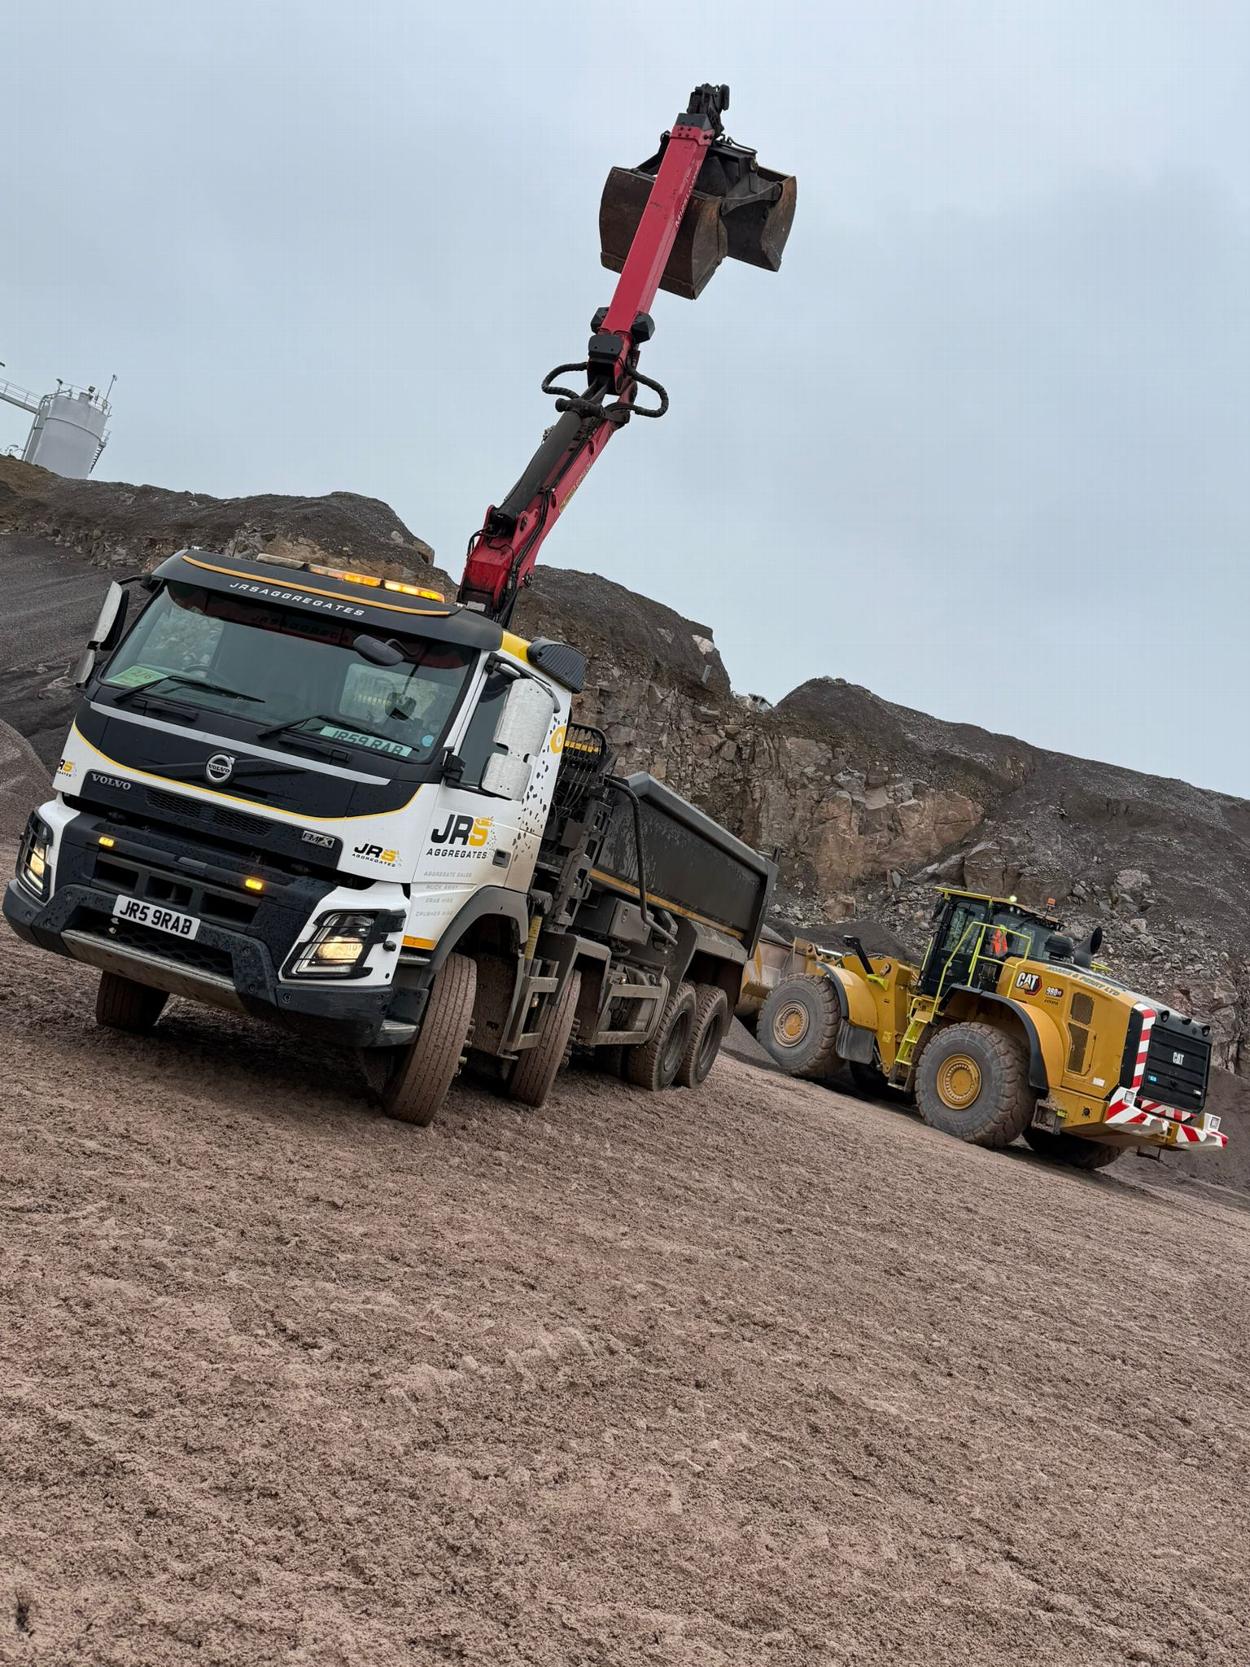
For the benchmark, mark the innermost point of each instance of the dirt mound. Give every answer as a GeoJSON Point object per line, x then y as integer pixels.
{"type": "Point", "coordinates": [121, 525]}
{"type": "Point", "coordinates": [614, 627]}
{"type": "Point", "coordinates": [23, 780]}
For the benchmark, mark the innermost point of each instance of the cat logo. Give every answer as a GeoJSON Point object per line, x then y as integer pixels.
{"type": "Point", "coordinates": [1028, 981]}
{"type": "Point", "coordinates": [375, 853]}
{"type": "Point", "coordinates": [471, 831]}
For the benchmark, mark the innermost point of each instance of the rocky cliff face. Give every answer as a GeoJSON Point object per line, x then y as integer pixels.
{"type": "Point", "coordinates": [870, 804]}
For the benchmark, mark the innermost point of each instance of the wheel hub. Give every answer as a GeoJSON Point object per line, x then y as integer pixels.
{"type": "Point", "coordinates": [958, 1081]}
{"type": "Point", "coordinates": [790, 1025]}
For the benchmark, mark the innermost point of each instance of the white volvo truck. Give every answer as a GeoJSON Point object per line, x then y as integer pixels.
{"type": "Point", "coordinates": [347, 805]}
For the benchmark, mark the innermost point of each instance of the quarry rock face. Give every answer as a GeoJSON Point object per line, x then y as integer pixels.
{"type": "Point", "coordinates": [870, 805]}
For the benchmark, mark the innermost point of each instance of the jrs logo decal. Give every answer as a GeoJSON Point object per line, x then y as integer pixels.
{"type": "Point", "coordinates": [376, 853]}
{"type": "Point", "coordinates": [463, 838]}
{"type": "Point", "coordinates": [472, 831]}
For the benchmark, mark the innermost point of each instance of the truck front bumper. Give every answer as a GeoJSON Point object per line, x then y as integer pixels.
{"type": "Point", "coordinates": [220, 967]}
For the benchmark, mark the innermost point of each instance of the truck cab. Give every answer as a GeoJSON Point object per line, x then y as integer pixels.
{"type": "Point", "coordinates": [283, 785]}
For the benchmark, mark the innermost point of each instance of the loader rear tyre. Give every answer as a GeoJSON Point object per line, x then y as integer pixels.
{"type": "Point", "coordinates": [654, 1066]}
{"type": "Point", "coordinates": [799, 1026]}
{"type": "Point", "coordinates": [1071, 1151]}
{"type": "Point", "coordinates": [707, 1032]}
{"type": "Point", "coordinates": [973, 1083]}
{"type": "Point", "coordinates": [417, 1083]}
{"type": "Point", "coordinates": [535, 1070]}
{"type": "Point", "coordinates": [121, 1004]}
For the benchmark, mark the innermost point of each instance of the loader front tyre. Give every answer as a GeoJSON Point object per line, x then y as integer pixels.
{"type": "Point", "coordinates": [1071, 1151]}
{"type": "Point", "coordinates": [707, 1032]}
{"type": "Point", "coordinates": [654, 1065]}
{"type": "Point", "coordinates": [799, 1026]}
{"type": "Point", "coordinates": [973, 1082]}
{"type": "Point", "coordinates": [121, 1004]}
{"type": "Point", "coordinates": [535, 1070]}
{"type": "Point", "coordinates": [417, 1082]}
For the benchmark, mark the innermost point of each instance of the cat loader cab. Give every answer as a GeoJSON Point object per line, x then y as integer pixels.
{"type": "Point", "coordinates": [1006, 1028]}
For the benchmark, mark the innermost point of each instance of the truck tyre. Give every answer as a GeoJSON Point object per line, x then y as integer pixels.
{"type": "Point", "coordinates": [418, 1081]}
{"type": "Point", "coordinates": [1069, 1149]}
{"type": "Point", "coordinates": [535, 1070]}
{"type": "Point", "coordinates": [654, 1065]}
{"type": "Point", "coordinates": [973, 1082]}
{"type": "Point", "coordinates": [707, 1032]}
{"type": "Point", "coordinates": [121, 1004]}
{"type": "Point", "coordinates": [799, 1026]}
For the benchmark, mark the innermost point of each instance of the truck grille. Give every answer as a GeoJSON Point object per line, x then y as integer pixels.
{"type": "Point", "coordinates": [197, 956]}
{"type": "Point", "coordinates": [195, 810]}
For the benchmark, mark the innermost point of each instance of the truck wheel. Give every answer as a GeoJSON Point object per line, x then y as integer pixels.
{"type": "Point", "coordinates": [707, 1032]}
{"type": "Point", "coordinates": [655, 1064]}
{"type": "Point", "coordinates": [1069, 1149]}
{"type": "Point", "coordinates": [799, 1026]}
{"type": "Point", "coordinates": [121, 1004]}
{"type": "Point", "coordinates": [973, 1083]}
{"type": "Point", "coordinates": [419, 1080]}
{"type": "Point", "coordinates": [535, 1070]}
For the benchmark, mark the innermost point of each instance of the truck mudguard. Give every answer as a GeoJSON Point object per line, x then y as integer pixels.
{"type": "Point", "coordinates": [489, 901]}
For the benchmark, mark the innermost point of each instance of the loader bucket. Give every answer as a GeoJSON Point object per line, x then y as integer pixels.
{"type": "Point", "coordinates": [737, 209]}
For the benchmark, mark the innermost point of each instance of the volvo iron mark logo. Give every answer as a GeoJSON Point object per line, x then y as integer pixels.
{"type": "Point", "coordinates": [219, 768]}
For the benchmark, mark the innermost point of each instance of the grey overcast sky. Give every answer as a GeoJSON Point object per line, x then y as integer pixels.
{"type": "Point", "coordinates": [983, 444]}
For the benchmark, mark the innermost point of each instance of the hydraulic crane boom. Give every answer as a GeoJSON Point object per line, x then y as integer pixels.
{"type": "Point", "coordinates": [700, 198]}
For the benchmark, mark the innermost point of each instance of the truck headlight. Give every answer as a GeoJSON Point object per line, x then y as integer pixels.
{"type": "Point", "coordinates": [338, 947]}
{"type": "Point", "coordinates": [34, 859]}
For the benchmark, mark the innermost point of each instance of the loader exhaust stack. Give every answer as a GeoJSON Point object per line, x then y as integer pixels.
{"type": "Point", "coordinates": [737, 210]}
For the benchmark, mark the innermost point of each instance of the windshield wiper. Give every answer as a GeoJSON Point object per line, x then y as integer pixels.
{"type": "Point", "coordinates": [187, 682]}
{"type": "Point", "coordinates": [326, 718]}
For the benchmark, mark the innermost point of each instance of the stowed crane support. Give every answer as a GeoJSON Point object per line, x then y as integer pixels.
{"type": "Point", "coordinates": [699, 199]}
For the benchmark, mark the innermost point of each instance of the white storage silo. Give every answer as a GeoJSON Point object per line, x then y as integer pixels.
{"type": "Point", "coordinates": [67, 435]}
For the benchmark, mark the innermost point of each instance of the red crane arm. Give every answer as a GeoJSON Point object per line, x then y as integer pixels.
{"type": "Point", "coordinates": [503, 553]}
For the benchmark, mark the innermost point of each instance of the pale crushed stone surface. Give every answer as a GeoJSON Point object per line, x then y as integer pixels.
{"type": "Point", "coordinates": [753, 1375]}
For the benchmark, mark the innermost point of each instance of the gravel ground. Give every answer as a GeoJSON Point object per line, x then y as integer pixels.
{"type": "Point", "coordinates": [757, 1375]}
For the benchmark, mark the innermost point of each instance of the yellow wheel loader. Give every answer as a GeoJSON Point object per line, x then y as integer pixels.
{"type": "Point", "coordinates": [1006, 1028]}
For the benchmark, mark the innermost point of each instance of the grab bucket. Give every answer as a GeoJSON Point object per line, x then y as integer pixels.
{"type": "Point", "coordinates": [737, 209]}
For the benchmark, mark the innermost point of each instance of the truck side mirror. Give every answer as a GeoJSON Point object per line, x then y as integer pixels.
{"type": "Point", "coordinates": [106, 632]}
{"type": "Point", "coordinates": [523, 725]}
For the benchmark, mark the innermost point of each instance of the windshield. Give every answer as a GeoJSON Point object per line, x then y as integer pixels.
{"type": "Point", "coordinates": [1024, 936]}
{"type": "Point", "coordinates": [284, 671]}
